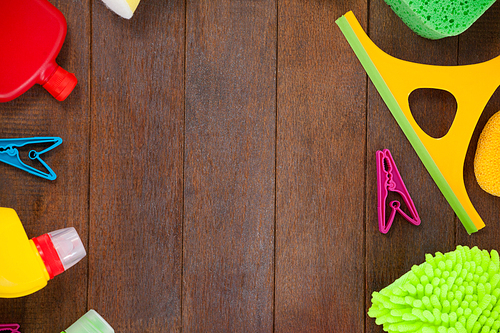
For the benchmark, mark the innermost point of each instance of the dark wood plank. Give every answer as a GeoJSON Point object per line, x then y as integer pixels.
{"type": "Point", "coordinates": [43, 205]}
{"type": "Point", "coordinates": [136, 167]}
{"type": "Point", "coordinates": [320, 171]}
{"type": "Point", "coordinates": [480, 43]}
{"type": "Point", "coordinates": [229, 166]}
{"type": "Point", "coordinates": [391, 255]}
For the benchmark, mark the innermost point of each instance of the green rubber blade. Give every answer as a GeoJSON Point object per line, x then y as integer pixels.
{"type": "Point", "coordinates": [398, 114]}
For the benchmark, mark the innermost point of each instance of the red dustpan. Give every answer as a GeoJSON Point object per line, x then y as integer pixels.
{"type": "Point", "coordinates": [31, 35]}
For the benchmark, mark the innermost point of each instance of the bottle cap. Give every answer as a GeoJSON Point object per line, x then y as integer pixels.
{"type": "Point", "coordinates": [60, 250]}
{"type": "Point", "coordinates": [61, 83]}
{"type": "Point", "coordinates": [68, 245]}
{"type": "Point", "coordinates": [91, 322]}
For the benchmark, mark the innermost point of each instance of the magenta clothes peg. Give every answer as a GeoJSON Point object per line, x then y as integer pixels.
{"type": "Point", "coordinates": [389, 179]}
{"type": "Point", "coordinates": [9, 328]}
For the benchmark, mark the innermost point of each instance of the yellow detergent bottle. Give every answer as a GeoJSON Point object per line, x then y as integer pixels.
{"type": "Point", "coordinates": [27, 264]}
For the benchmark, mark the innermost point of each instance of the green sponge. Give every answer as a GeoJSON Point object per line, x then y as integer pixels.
{"type": "Point", "coordinates": [435, 19]}
{"type": "Point", "coordinates": [456, 292]}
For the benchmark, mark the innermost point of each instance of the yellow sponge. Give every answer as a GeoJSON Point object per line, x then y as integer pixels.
{"type": "Point", "coordinates": [487, 160]}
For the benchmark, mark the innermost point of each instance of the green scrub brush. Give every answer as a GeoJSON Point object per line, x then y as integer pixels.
{"type": "Point", "coordinates": [437, 19]}
{"type": "Point", "coordinates": [456, 292]}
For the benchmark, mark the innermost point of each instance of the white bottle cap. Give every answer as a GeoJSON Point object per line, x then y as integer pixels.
{"type": "Point", "coordinates": [68, 245]}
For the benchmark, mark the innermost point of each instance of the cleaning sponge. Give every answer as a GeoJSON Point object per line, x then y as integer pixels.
{"type": "Point", "coordinates": [456, 292]}
{"type": "Point", "coordinates": [487, 160]}
{"type": "Point", "coordinates": [435, 19]}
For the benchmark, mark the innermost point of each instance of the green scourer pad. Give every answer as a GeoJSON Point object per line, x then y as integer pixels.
{"type": "Point", "coordinates": [456, 292]}
{"type": "Point", "coordinates": [437, 19]}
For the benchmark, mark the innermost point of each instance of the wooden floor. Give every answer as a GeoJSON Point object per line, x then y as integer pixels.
{"type": "Point", "coordinates": [219, 164]}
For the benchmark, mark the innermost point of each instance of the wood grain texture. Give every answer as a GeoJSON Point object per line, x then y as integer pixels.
{"type": "Point", "coordinates": [229, 166]}
{"type": "Point", "coordinates": [390, 256]}
{"type": "Point", "coordinates": [320, 171]}
{"type": "Point", "coordinates": [137, 166]}
{"type": "Point", "coordinates": [480, 43]}
{"type": "Point", "coordinates": [44, 206]}
{"type": "Point", "coordinates": [219, 164]}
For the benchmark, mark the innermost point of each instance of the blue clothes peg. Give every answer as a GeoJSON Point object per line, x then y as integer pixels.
{"type": "Point", "coordinates": [10, 154]}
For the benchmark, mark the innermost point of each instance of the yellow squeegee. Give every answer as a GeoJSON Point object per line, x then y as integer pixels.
{"type": "Point", "coordinates": [472, 86]}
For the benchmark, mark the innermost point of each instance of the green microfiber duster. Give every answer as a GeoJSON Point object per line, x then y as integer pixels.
{"type": "Point", "coordinates": [456, 292]}
{"type": "Point", "coordinates": [437, 19]}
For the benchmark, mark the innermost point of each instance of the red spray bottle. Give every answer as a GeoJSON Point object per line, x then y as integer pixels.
{"type": "Point", "coordinates": [31, 35]}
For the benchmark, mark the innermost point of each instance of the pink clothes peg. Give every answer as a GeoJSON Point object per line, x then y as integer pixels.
{"type": "Point", "coordinates": [389, 179]}
{"type": "Point", "coordinates": [11, 328]}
